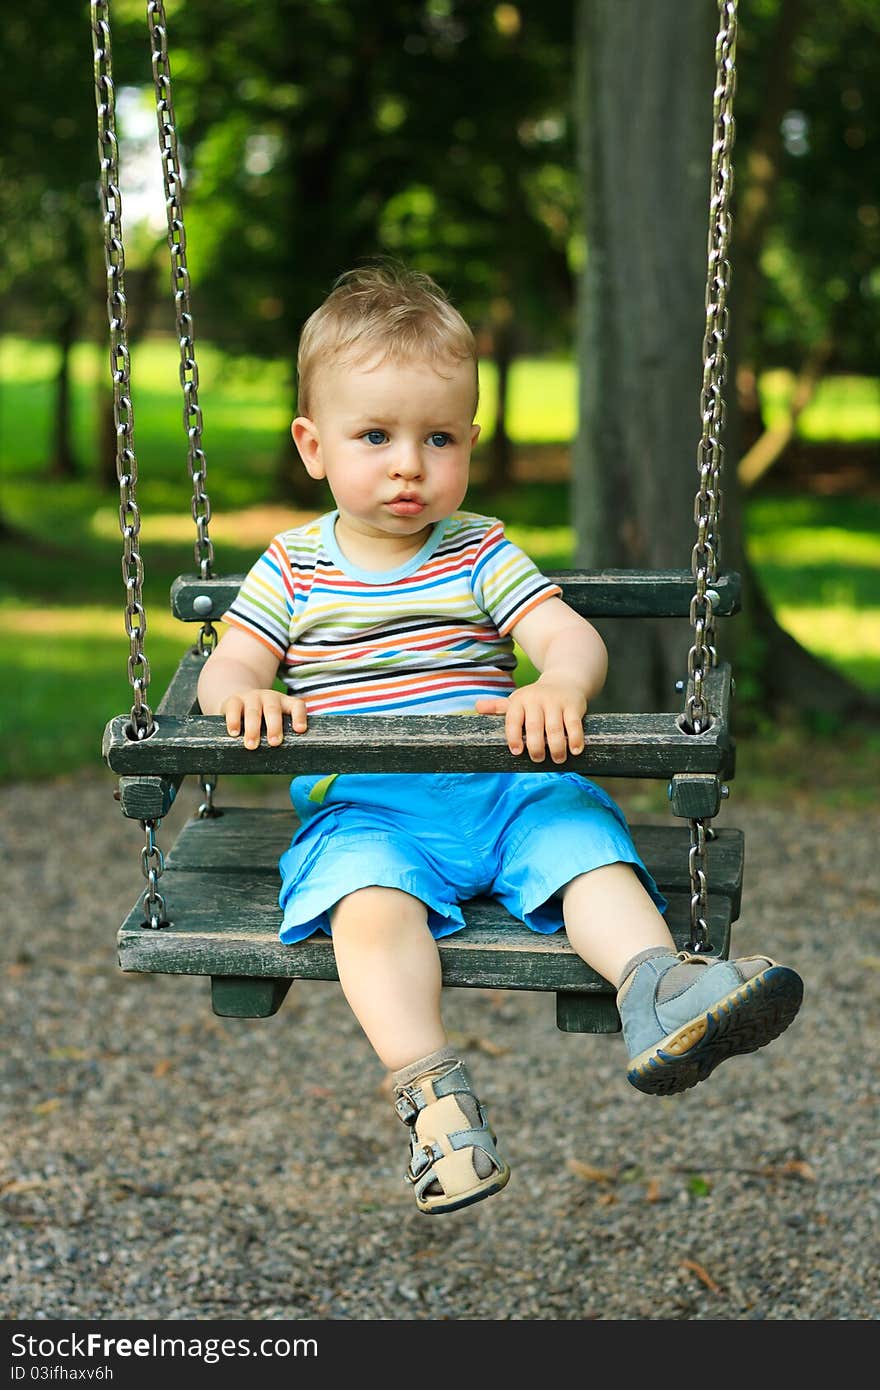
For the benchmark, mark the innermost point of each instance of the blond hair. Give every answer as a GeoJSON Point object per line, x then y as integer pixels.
{"type": "Point", "coordinates": [382, 310]}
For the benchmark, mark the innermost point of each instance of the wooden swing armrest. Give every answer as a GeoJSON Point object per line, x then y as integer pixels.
{"type": "Point", "coordinates": [618, 745]}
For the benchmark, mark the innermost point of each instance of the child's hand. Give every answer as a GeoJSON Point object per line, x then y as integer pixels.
{"type": "Point", "coordinates": [551, 710]}
{"type": "Point", "coordinates": [258, 706]}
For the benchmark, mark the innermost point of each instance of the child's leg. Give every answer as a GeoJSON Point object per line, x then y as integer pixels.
{"type": "Point", "coordinates": [390, 974]}
{"type": "Point", "coordinates": [681, 1014]}
{"type": "Point", "coordinates": [389, 970]}
{"type": "Point", "coordinates": [610, 918]}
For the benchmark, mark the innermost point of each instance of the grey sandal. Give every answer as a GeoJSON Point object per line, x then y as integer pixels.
{"type": "Point", "coordinates": [453, 1160]}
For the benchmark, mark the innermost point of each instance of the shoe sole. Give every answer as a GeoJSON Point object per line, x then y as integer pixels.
{"type": "Point", "coordinates": [749, 1016]}
{"type": "Point", "coordinates": [499, 1181]}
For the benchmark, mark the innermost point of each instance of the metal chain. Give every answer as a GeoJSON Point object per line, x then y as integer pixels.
{"type": "Point", "coordinates": [152, 867]}
{"type": "Point", "coordinates": [189, 371]}
{"type": "Point", "coordinates": [180, 282]}
{"type": "Point", "coordinates": [142, 723]}
{"type": "Point", "coordinates": [710, 453]}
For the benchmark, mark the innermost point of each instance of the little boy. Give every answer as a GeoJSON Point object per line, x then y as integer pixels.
{"type": "Point", "coordinates": [398, 601]}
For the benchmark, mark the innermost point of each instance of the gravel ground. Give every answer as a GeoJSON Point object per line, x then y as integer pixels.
{"type": "Point", "coordinates": [160, 1163]}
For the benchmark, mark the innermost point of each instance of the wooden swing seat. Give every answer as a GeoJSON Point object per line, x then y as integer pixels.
{"type": "Point", "coordinates": [221, 890]}
{"type": "Point", "coordinates": [220, 883]}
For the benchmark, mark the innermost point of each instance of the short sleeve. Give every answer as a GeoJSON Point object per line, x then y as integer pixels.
{"type": "Point", "coordinates": [506, 583]}
{"type": "Point", "coordinates": [264, 604]}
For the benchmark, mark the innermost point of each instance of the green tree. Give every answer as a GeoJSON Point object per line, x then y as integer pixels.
{"type": "Point", "coordinates": [48, 171]}
{"type": "Point", "coordinates": [807, 228]}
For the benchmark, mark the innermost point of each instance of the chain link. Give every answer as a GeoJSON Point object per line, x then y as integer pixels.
{"type": "Point", "coordinates": [710, 453]}
{"type": "Point", "coordinates": [180, 284]}
{"type": "Point", "coordinates": [142, 723]}
{"type": "Point", "coordinates": [207, 810]}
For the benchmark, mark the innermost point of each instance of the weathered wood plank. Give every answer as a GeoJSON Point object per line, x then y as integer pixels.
{"type": "Point", "coordinates": [236, 933]}
{"type": "Point", "coordinates": [618, 745]}
{"type": "Point", "coordinates": [181, 695]}
{"type": "Point", "coordinates": [592, 593]}
{"type": "Point", "coordinates": [251, 840]}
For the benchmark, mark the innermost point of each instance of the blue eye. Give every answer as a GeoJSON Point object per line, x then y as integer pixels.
{"type": "Point", "coordinates": [440, 440]}
{"type": "Point", "coordinates": [375, 436]}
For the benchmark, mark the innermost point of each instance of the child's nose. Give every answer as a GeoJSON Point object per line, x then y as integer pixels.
{"type": "Point", "coordinates": [408, 459]}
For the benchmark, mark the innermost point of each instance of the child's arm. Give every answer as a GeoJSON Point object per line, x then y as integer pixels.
{"type": "Point", "coordinates": [236, 681]}
{"type": "Point", "coordinates": [573, 662]}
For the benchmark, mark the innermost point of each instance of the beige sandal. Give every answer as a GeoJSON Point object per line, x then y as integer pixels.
{"type": "Point", "coordinates": [453, 1161]}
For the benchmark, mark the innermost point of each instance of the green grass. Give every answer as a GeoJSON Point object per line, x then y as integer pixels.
{"type": "Point", "coordinates": [819, 562]}
{"type": "Point", "coordinates": [844, 410]}
{"type": "Point", "coordinates": [63, 647]}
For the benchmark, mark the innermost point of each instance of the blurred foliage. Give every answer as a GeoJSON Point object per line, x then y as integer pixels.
{"type": "Point", "coordinates": [820, 259]}
{"type": "Point", "coordinates": [442, 131]}
{"type": "Point", "coordinates": [48, 167]}
{"type": "Point", "coordinates": [318, 134]}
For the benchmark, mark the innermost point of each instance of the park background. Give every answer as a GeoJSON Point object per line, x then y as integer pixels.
{"type": "Point", "coordinates": [549, 166]}
{"type": "Point", "coordinates": [456, 137]}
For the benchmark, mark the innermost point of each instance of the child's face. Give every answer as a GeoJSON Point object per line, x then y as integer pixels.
{"type": "Point", "coordinates": [393, 441]}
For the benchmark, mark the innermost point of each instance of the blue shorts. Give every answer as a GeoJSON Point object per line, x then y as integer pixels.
{"type": "Point", "coordinates": [517, 837]}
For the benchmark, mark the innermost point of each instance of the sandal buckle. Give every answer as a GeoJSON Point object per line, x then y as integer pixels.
{"type": "Point", "coordinates": [406, 1108]}
{"type": "Point", "coordinates": [425, 1155]}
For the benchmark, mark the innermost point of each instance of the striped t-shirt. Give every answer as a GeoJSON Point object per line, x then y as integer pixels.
{"type": "Point", "coordinates": [430, 637]}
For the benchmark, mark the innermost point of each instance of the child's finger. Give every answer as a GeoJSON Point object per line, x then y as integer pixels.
{"type": "Point", "coordinates": [574, 728]}
{"type": "Point", "coordinates": [488, 704]}
{"type": "Point", "coordinates": [535, 735]}
{"type": "Point", "coordinates": [556, 736]}
{"type": "Point", "coordinates": [253, 721]}
{"type": "Point", "coordinates": [272, 716]}
{"type": "Point", "coordinates": [297, 710]}
{"type": "Point", "coordinates": [232, 715]}
{"type": "Point", "coordinates": [513, 728]}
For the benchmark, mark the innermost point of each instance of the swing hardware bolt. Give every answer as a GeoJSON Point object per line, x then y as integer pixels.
{"type": "Point", "coordinates": [203, 604]}
{"type": "Point", "coordinates": [713, 597]}
{"type": "Point", "coordinates": [679, 685]}
{"type": "Point", "coordinates": [724, 790]}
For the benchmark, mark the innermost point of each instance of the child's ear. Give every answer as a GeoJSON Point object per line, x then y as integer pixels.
{"type": "Point", "coordinates": [307, 441]}
{"type": "Point", "coordinates": [475, 434]}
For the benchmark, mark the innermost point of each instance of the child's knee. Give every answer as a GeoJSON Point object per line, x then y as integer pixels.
{"type": "Point", "coordinates": [378, 908]}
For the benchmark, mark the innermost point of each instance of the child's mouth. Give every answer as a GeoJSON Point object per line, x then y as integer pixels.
{"type": "Point", "coordinates": [406, 506]}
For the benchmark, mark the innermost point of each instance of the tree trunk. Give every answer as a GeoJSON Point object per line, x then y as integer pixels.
{"type": "Point", "coordinates": [62, 462]}
{"type": "Point", "coordinates": [501, 450]}
{"type": "Point", "coordinates": [644, 84]}
{"type": "Point", "coordinates": [292, 485]}
{"type": "Point", "coordinates": [141, 283]}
